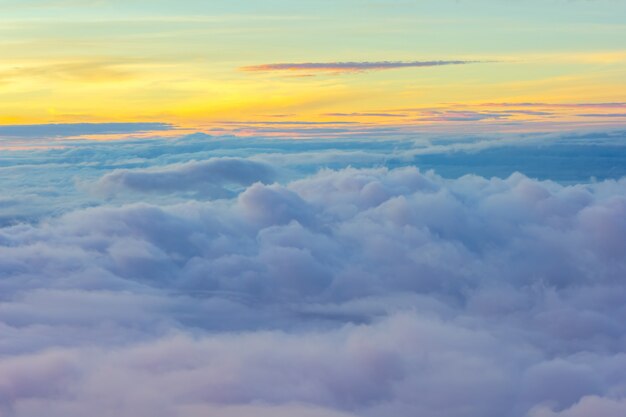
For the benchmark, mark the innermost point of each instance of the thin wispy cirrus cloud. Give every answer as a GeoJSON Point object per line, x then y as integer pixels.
{"type": "Point", "coordinates": [351, 66]}
{"type": "Point", "coordinates": [358, 114]}
{"type": "Point", "coordinates": [52, 130]}
{"type": "Point", "coordinates": [620, 115]}
{"type": "Point", "coordinates": [613, 105]}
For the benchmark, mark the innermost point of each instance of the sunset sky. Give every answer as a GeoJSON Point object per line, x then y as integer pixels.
{"type": "Point", "coordinates": [197, 62]}
{"type": "Point", "coordinates": [312, 208]}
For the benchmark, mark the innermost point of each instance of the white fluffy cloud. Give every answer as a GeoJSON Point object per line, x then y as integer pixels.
{"type": "Point", "coordinates": [354, 292]}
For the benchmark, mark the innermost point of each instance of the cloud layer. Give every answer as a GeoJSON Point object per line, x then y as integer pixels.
{"type": "Point", "coordinates": [349, 292]}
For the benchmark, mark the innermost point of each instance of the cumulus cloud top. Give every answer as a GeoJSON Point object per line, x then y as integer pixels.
{"type": "Point", "coordinates": [209, 177]}
{"type": "Point", "coordinates": [349, 292]}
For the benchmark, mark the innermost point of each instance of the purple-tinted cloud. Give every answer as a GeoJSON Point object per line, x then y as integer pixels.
{"type": "Point", "coordinates": [622, 115]}
{"type": "Point", "coordinates": [210, 178]}
{"type": "Point", "coordinates": [346, 293]}
{"type": "Point", "coordinates": [461, 116]}
{"type": "Point", "coordinates": [376, 114]}
{"type": "Point", "coordinates": [350, 67]}
{"type": "Point", "coordinates": [616, 105]}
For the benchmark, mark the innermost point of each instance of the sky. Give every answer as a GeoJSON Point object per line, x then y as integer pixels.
{"type": "Point", "coordinates": [198, 62]}
{"type": "Point", "coordinates": [312, 208]}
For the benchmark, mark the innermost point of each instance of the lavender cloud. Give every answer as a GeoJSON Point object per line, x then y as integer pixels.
{"type": "Point", "coordinates": [368, 292]}
{"type": "Point", "coordinates": [377, 114]}
{"type": "Point", "coordinates": [210, 177]}
{"type": "Point", "coordinates": [619, 115]}
{"type": "Point", "coordinates": [350, 67]}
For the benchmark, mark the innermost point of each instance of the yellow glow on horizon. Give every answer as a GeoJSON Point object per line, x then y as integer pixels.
{"type": "Point", "coordinates": [112, 89]}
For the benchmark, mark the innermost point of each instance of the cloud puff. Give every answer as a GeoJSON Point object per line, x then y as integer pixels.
{"type": "Point", "coordinates": [591, 405]}
{"type": "Point", "coordinates": [210, 177]}
{"type": "Point", "coordinates": [352, 292]}
{"type": "Point", "coordinates": [350, 67]}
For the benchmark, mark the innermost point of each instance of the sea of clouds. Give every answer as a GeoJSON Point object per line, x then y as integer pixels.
{"type": "Point", "coordinates": [206, 276]}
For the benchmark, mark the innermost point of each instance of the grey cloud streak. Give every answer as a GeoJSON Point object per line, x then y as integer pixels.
{"type": "Point", "coordinates": [351, 67]}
